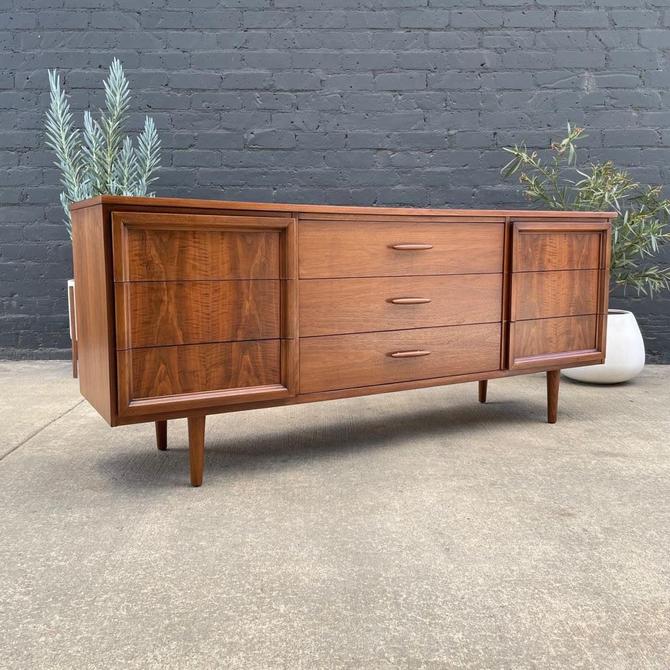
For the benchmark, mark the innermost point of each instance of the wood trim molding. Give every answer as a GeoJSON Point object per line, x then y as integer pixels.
{"type": "Point", "coordinates": [306, 209]}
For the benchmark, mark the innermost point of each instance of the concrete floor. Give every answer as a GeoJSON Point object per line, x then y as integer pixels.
{"type": "Point", "coordinates": [412, 530]}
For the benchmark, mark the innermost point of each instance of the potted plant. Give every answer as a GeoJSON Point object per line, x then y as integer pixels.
{"type": "Point", "coordinates": [99, 159]}
{"type": "Point", "coordinates": [638, 232]}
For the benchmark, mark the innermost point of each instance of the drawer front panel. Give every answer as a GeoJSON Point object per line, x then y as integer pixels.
{"type": "Point", "coordinates": [369, 249]}
{"type": "Point", "coordinates": [155, 247]}
{"type": "Point", "coordinates": [568, 246]}
{"type": "Point", "coordinates": [334, 306]}
{"type": "Point", "coordinates": [157, 372]}
{"type": "Point", "coordinates": [545, 342]}
{"type": "Point", "coordinates": [151, 314]}
{"type": "Point", "coordinates": [350, 361]}
{"type": "Point", "coordinates": [539, 295]}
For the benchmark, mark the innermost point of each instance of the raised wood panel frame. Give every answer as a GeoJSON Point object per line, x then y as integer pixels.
{"type": "Point", "coordinates": [565, 257]}
{"type": "Point", "coordinates": [573, 353]}
{"type": "Point", "coordinates": [124, 222]}
{"type": "Point", "coordinates": [540, 343]}
{"type": "Point", "coordinates": [130, 407]}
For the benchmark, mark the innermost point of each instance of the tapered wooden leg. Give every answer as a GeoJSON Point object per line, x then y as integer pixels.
{"type": "Point", "coordinates": [73, 332]}
{"type": "Point", "coordinates": [483, 386]}
{"type": "Point", "coordinates": [553, 379]}
{"type": "Point", "coordinates": [161, 435]}
{"type": "Point", "coordinates": [75, 359]}
{"type": "Point", "coordinates": [196, 448]}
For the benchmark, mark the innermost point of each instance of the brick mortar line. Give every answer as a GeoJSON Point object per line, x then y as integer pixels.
{"type": "Point", "coordinates": [39, 430]}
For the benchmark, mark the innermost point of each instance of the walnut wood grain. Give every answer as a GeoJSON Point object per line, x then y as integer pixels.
{"type": "Point", "coordinates": [604, 290]}
{"type": "Point", "coordinates": [354, 249]}
{"type": "Point", "coordinates": [379, 216]}
{"type": "Point", "coordinates": [506, 294]}
{"type": "Point", "coordinates": [554, 252]}
{"type": "Point", "coordinates": [167, 371]}
{"type": "Point", "coordinates": [201, 316]}
{"type": "Point", "coordinates": [360, 391]}
{"type": "Point", "coordinates": [550, 246]}
{"type": "Point", "coordinates": [335, 306]}
{"type": "Point", "coordinates": [159, 247]}
{"type": "Point", "coordinates": [161, 435]}
{"type": "Point", "coordinates": [553, 383]}
{"type": "Point", "coordinates": [482, 388]}
{"type": "Point", "coordinates": [164, 313]}
{"type": "Point", "coordinates": [191, 204]}
{"type": "Point", "coordinates": [196, 448]}
{"type": "Point", "coordinates": [539, 295]}
{"type": "Point", "coordinates": [155, 247]}
{"type": "Point", "coordinates": [546, 342]}
{"type": "Point", "coordinates": [349, 361]}
{"type": "Point", "coordinates": [94, 310]}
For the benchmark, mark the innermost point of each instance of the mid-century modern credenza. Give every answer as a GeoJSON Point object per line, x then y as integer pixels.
{"type": "Point", "coordinates": [192, 307]}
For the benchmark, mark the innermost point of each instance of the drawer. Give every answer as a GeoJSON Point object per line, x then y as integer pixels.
{"type": "Point", "coordinates": [160, 313]}
{"type": "Point", "coordinates": [542, 342]}
{"type": "Point", "coordinates": [158, 372]}
{"type": "Point", "coordinates": [155, 247]}
{"type": "Point", "coordinates": [333, 306]}
{"type": "Point", "coordinates": [559, 246]}
{"type": "Point", "coordinates": [396, 248]}
{"type": "Point", "coordinates": [368, 359]}
{"type": "Point", "coordinates": [539, 295]}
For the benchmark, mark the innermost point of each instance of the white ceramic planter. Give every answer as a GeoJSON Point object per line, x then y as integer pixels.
{"type": "Point", "coordinates": [624, 358]}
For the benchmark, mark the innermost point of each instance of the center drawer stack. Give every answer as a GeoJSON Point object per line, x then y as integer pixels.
{"type": "Point", "coordinates": [395, 299]}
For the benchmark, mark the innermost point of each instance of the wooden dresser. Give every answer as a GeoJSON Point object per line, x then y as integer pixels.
{"type": "Point", "coordinates": [191, 307]}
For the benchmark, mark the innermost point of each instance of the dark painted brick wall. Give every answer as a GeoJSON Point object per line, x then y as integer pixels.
{"type": "Point", "coordinates": [395, 102]}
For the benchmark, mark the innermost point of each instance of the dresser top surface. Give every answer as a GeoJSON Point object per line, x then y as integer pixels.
{"type": "Point", "coordinates": [274, 207]}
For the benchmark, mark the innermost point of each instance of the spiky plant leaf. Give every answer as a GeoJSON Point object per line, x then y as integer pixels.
{"type": "Point", "coordinates": [125, 169]}
{"type": "Point", "coordinates": [113, 118]}
{"type": "Point", "coordinates": [148, 155]}
{"type": "Point", "coordinates": [63, 138]}
{"type": "Point", "coordinates": [95, 154]}
{"type": "Point", "coordinates": [99, 160]}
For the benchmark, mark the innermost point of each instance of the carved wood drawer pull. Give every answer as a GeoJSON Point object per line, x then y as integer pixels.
{"type": "Point", "coordinates": [409, 301]}
{"type": "Point", "coordinates": [411, 247]}
{"type": "Point", "coordinates": [409, 354]}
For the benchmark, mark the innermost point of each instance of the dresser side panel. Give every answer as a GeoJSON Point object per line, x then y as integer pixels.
{"type": "Point", "coordinates": [94, 309]}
